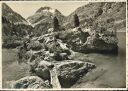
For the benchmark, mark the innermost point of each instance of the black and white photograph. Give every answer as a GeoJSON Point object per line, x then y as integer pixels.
{"type": "Point", "coordinates": [63, 45]}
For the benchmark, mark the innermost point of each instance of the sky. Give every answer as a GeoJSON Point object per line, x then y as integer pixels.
{"type": "Point", "coordinates": [27, 9]}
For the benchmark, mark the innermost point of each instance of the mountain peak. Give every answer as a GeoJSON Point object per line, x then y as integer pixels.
{"type": "Point", "coordinates": [46, 8]}
{"type": "Point", "coordinates": [6, 7]}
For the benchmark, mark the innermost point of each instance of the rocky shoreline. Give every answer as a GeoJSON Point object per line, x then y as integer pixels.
{"type": "Point", "coordinates": [48, 53]}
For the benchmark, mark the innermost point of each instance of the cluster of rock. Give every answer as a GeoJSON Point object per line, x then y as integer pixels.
{"type": "Point", "coordinates": [54, 52]}
{"type": "Point", "coordinates": [44, 54]}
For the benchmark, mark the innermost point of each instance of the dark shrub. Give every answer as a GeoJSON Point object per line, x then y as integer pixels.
{"type": "Point", "coordinates": [55, 24]}
{"type": "Point", "coordinates": [76, 21]}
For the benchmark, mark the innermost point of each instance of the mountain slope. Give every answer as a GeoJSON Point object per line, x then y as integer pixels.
{"type": "Point", "coordinates": [10, 15]}
{"type": "Point", "coordinates": [101, 13]}
{"type": "Point", "coordinates": [14, 27]}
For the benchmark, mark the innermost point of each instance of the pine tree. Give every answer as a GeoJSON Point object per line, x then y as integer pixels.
{"type": "Point", "coordinates": [76, 21]}
{"type": "Point", "coordinates": [55, 24]}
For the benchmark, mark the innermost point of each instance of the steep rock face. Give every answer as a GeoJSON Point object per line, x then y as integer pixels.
{"type": "Point", "coordinates": [31, 82]}
{"type": "Point", "coordinates": [42, 20]}
{"type": "Point", "coordinates": [108, 15]}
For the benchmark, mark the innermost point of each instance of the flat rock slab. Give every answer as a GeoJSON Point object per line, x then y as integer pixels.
{"type": "Point", "coordinates": [69, 71]}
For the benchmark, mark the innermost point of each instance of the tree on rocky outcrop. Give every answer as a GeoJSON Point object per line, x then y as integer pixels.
{"type": "Point", "coordinates": [55, 24]}
{"type": "Point", "coordinates": [76, 21]}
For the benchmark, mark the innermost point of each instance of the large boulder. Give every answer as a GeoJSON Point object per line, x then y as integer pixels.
{"type": "Point", "coordinates": [90, 41]}
{"type": "Point", "coordinates": [31, 82]}
{"type": "Point", "coordinates": [74, 38]}
{"type": "Point", "coordinates": [101, 43]}
{"type": "Point", "coordinates": [70, 71]}
{"type": "Point", "coordinates": [41, 68]}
